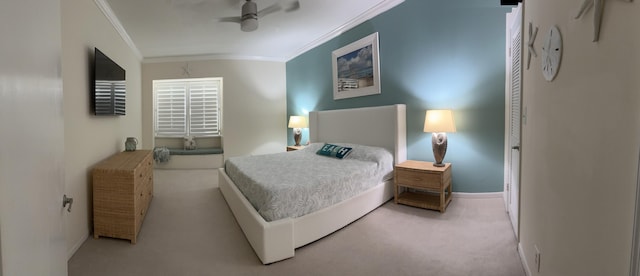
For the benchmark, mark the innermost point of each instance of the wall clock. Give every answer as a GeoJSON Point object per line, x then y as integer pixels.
{"type": "Point", "coordinates": [551, 53]}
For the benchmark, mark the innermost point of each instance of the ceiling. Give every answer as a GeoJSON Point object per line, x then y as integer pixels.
{"type": "Point", "coordinates": [163, 30]}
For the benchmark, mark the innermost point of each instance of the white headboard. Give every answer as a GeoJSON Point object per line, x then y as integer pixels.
{"type": "Point", "coordinates": [380, 126]}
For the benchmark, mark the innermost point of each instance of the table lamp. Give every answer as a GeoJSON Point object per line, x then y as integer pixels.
{"type": "Point", "coordinates": [297, 123]}
{"type": "Point", "coordinates": [439, 122]}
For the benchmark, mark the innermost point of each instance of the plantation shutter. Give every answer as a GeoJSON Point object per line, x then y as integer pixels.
{"type": "Point", "coordinates": [187, 107]}
{"type": "Point", "coordinates": [203, 102]}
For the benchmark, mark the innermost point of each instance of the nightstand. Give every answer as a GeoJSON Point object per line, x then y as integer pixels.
{"type": "Point", "coordinates": [292, 148]}
{"type": "Point", "coordinates": [420, 184]}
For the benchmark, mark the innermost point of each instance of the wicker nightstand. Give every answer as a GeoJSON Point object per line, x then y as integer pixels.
{"type": "Point", "coordinates": [424, 185]}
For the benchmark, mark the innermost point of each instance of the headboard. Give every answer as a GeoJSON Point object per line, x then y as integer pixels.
{"type": "Point", "coordinates": [380, 126]}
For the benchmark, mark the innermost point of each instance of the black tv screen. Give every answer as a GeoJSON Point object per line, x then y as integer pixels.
{"type": "Point", "coordinates": [109, 86]}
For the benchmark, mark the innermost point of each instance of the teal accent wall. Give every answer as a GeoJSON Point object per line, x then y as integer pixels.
{"type": "Point", "coordinates": [434, 54]}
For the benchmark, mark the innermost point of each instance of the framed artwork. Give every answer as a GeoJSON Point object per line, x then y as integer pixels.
{"type": "Point", "coordinates": [356, 69]}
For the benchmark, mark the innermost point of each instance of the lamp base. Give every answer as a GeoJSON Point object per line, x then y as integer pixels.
{"type": "Point", "coordinates": [297, 136]}
{"type": "Point", "coordinates": [439, 146]}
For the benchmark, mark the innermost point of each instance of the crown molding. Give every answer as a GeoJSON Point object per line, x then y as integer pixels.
{"type": "Point", "coordinates": [106, 10]}
{"type": "Point", "coordinates": [370, 13]}
{"type": "Point", "coordinates": [211, 57]}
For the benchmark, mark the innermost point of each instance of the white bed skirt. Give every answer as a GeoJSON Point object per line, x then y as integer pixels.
{"type": "Point", "coordinates": [277, 240]}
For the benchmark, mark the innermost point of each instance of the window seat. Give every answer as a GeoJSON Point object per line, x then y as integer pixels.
{"type": "Point", "coordinates": [199, 151]}
{"type": "Point", "coordinates": [201, 158]}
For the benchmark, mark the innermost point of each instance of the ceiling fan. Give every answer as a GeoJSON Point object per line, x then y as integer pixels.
{"type": "Point", "coordinates": [249, 18]}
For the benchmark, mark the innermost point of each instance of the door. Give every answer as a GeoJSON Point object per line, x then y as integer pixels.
{"type": "Point", "coordinates": [513, 95]}
{"type": "Point", "coordinates": [32, 135]}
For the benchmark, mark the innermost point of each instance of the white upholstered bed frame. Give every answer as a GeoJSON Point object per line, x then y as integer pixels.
{"type": "Point", "coordinates": [383, 126]}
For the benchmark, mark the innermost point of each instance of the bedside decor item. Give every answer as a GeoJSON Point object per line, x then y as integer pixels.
{"type": "Point", "coordinates": [551, 53]}
{"type": "Point", "coordinates": [532, 39]}
{"type": "Point", "coordinates": [439, 122]}
{"type": "Point", "coordinates": [356, 69]}
{"type": "Point", "coordinates": [297, 123]}
{"type": "Point", "coordinates": [130, 144]}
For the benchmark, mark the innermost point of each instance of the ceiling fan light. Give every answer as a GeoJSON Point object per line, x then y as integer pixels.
{"type": "Point", "coordinates": [249, 25]}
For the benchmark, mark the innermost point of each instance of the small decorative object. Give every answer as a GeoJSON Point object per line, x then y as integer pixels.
{"type": "Point", "coordinates": [356, 69]}
{"type": "Point", "coordinates": [438, 122]}
{"type": "Point", "coordinates": [532, 39]}
{"type": "Point", "coordinates": [161, 154]}
{"type": "Point", "coordinates": [189, 143]}
{"type": "Point", "coordinates": [297, 123]}
{"type": "Point", "coordinates": [597, 14]}
{"type": "Point", "coordinates": [131, 144]}
{"type": "Point", "coordinates": [551, 54]}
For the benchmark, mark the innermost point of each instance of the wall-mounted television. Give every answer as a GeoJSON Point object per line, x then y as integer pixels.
{"type": "Point", "coordinates": [109, 86]}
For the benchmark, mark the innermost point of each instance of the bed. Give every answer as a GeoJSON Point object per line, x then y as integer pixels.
{"type": "Point", "coordinates": [277, 239]}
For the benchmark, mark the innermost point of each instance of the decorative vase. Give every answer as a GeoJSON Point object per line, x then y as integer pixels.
{"type": "Point", "coordinates": [130, 144]}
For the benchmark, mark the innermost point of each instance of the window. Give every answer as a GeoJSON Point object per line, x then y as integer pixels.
{"type": "Point", "coordinates": [187, 107]}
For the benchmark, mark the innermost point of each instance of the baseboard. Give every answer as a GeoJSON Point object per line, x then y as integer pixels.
{"type": "Point", "coordinates": [76, 246]}
{"type": "Point", "coordinates": [477, 195]}
{"type": "Point", "coordinates": [523, 259]}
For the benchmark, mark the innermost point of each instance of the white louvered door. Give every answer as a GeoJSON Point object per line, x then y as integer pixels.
{"type": "Point", "coordinates": [514, 96]}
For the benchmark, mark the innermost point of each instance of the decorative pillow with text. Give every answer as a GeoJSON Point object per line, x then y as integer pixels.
{"type": "Point", "coordinates": [334, 151]}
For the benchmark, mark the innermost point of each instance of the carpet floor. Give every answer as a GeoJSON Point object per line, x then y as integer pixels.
{"type": "Point", "coordinates": [189, 230]}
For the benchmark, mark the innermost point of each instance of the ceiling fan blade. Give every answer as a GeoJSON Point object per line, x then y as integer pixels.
{"type": "Point", "coordinates": [233, 19]}
{"type": "Point", "coordinates": [292, 6]}
{"type": "Point", "coordinates": [270, 9]}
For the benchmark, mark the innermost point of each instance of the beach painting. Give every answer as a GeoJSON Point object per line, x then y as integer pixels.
{"type": "Point", "coordinates": [356, 69]}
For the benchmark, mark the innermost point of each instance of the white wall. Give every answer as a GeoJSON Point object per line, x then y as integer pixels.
{"type": "Point", "coordinates": [254, 101]}
{"type": "Point", "coordinates": [580, 142]}
{"type": "Point", "coordinates": [88, 138]}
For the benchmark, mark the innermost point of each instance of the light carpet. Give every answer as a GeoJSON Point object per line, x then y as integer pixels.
{"type": "Point", "coordinates": [189, 230]}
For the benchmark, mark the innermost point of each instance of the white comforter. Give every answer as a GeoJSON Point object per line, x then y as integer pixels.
{"type": "Point", "coordinates": [292, 184]}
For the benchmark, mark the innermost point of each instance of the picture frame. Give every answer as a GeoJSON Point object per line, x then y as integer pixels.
{"type": "Point", "coordinates": [356, 69]}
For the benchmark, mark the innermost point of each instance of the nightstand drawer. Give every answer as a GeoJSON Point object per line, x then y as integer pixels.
{"type": "Point", "coordinates": [419, 179]}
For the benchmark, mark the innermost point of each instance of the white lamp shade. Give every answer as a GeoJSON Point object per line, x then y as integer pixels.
{"type": "Point", "coordinates": [439, 121]}
{"type": "Point", "coordinates": [297, 122]}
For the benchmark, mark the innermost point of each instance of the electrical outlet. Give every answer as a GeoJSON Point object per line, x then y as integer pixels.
{"type": "Point", "coordinates": [537, 257]}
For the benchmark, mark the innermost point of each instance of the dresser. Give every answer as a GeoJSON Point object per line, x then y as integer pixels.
{"type": "Point", "coordinates": [122, 191]}
{"type": "Point", "coordinates": [421, 184]}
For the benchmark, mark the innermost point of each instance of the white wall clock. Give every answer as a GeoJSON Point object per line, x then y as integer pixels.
{"type": "Point", "coordinates": [551, 53]}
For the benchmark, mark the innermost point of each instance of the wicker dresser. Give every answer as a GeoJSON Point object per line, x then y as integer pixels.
{"type": "Point", "coordinates": [122, 191]}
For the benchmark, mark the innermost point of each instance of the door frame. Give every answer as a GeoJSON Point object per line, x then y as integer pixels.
{"type": "Point", "coordinates": [635, 244]}
{"type": "Point", "coordinates": [514, 19]}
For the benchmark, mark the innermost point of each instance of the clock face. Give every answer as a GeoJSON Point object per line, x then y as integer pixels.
{"type": "Point", "coordinates": [551, 54]}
